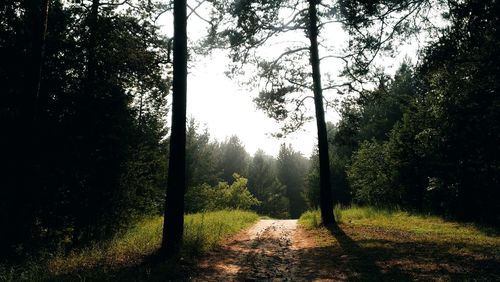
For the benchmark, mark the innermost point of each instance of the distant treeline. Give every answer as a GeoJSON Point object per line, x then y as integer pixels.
{"type": "Point", "coordinates": [276, 183]}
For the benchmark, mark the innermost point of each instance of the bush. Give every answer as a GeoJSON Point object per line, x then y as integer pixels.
{"type": "Point", "coordinates": [222, 196]}
{"type": "Point", "coordinates": [370, 175]}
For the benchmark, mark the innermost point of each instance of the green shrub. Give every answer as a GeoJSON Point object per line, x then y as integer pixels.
{"type": "Point", "coordinates": [370, 175]}
{"type": "Point", "coordinates": [222, 196]}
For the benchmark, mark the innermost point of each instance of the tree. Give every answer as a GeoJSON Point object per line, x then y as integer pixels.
{"type": "Point", "coordinates": [292, 169]}
{"type": "Point", "coordinates": [203, 157]}
{"type": "Point", "coordinates": [73, 186]}
{"type": "Point", "coordinates": [326, 201]}
{"type": "Point", "coordinates": [40, 14]}
{"type": "Point", "coordinates": [370, 176]}
{"type": "Point", "coordinates": [234, 158]}
{"type": "Point", "coordinates": [264, 184]}
{"type": "Point", "coordinates": [439, 154]}
{"type": "Point", "coordinates": [338, 165]}
{"type": "Point", "coordinates": [173, 225]}
{"type": "Point", "coordinates": [285, 81]}
{"type": "Point", "coordinates": [222, 196]}
{"type": "Point", "coordinates": [453, 124]}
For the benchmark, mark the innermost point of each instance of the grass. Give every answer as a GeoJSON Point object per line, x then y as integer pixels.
{"type": "Point", "coordinates": [430, 227]}
{"type": "Point", "coordinates": [406, 246]}
{"type": "Point", "coordinates": [125, 257]}
{"type": "Point", "coordinates": [312, 219]}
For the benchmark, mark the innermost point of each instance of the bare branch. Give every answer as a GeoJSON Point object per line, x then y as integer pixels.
{"type": "Point", "coordinates": [288, 52]}
{"type": "Point", "coordinates": [335, 86]}
{"type": "Point", "coordinates": [193, 11]}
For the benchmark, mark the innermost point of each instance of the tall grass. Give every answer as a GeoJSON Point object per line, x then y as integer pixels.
{"type": "Point", "coordinates": [202, 232]}
{"type": "Point", "coordinates": [312, 219]}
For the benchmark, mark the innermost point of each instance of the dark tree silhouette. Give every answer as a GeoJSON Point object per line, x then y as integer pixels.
{"type": "Point", "coordinates": [325, 191]}
{"type": "Point", "coordinates": [92, 23]}
{"type": "Point", "coordinates": [40, 13]}
{"type": "Point", "coordinates": [72, 139]}
{"type": "Point", "coordinates": [173, 225]}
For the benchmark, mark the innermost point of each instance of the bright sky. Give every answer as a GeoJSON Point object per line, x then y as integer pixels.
{"type": "Point", "coordinates": [225, 108]}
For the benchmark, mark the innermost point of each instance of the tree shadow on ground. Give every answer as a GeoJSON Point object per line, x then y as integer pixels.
{"type": "Point", "coordinates": [360, 261]}
{"type": "Point", "coordinates": [376, 254]}
{"type": "Point", "coordinates": [149, 268]}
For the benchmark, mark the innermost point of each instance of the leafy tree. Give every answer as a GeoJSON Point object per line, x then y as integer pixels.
{"type": "Point", "coordinates": [381, 108]}
{"type": "Point", "coordinates": [370, 175]}
{"type": "Point", "coordinates": [441, 152]}
{"type": "Point", "coordinates": [222, 196]}
{"type": "Point", "coordinates": [236, 196]}
{"type": "Point", "coordinates": [454, 124]}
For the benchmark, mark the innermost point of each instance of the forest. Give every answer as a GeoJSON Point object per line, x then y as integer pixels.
{"type": "Point", "coordinates": [104, 175]}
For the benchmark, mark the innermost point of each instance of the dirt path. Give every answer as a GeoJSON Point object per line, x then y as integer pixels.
{"type": "Point", "coordinates": [271, 250]}
{"type": "Point", "coordinates": [263, 252]}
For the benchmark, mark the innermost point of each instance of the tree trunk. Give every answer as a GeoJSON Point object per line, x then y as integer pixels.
{"type": "Point", "coordinates": [325, 192]}
{"type": "Point", "coordinates": [173, 224]}
{"type": "Point", "coordinates": [90, 75]}
{"type": "Point", "coordinates": [39, 11]}
{"type": "Point", "coordinates": [42, 98]}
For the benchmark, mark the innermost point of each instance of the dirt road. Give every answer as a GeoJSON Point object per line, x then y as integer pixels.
{"type": "Point", "coordinates": [270, 250]}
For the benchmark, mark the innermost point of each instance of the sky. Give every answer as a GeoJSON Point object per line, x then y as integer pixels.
{"type": "Point", "coordinates": [226, 108]}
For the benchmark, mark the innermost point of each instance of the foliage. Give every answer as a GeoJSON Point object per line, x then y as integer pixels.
{"type": "Point", "coordinates": [264, 184]}
{"type": "Point", "coordinates": [292, 169]}
{"type": "Point", "coordinates": [221, 196]}
{"type": "Point", "coordinates": [338, 164]}
{"type": "Point", "coordinates": [234, 158]}
{"type": "Point", "coordinates": [203, 157]}
{"type": "Point", "coordinates": [208, 161]}
{"type": "Point", "coordinates": [370, 175]}
{"type": "Point", "coordinates": [86, 155]}
{"type": "Point", "coordinates": [427, 139]}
